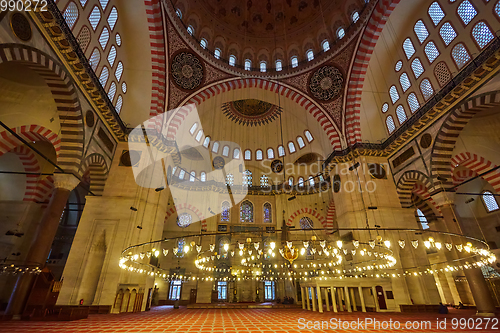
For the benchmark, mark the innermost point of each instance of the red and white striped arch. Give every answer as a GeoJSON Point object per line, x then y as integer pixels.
{"type": "Point", "coordinates": [30, 133]}
{"type": "Point", "coordinates": [330, 215]}
{"type": "Point", "coordinates": [158, 58]}
{"type": "Point", "coordinates": [218, 88]}
{"type": "Point", "coordinates": [423, 192]}
{"type": "Point", "coordinates": [308, 211]}
{"type": "Point", "coordinates": [478, 165]}
{"type": "Point", "coordinates": [186, 206]}
{"type": "Point", "coordinates": [460, 176]}
{"type": "Point", "coordinates": [357, 75]}
{"type": "Point", "coordinates": [30, 164]}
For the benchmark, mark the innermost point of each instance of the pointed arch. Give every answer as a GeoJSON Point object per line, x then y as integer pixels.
{"type": "Point", "coordinates": [95, 167]}
{"type": "Point", "coordinates": [186, 206]}
{"type": "Point", "coordinates": [308, 212]}
{"type": "Point", "coordinates": [477, 164]}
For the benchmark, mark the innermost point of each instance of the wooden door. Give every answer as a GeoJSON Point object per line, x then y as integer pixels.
{"type": "Point", "coordinates": [192, 296]}
{"type": "Point", "coordinates": [381, 298]}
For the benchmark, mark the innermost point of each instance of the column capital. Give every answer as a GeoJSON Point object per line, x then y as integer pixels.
{"type": "Point", "coordinates": [444, 198]}
{"type": "Point", "coordinates": [65, 181]}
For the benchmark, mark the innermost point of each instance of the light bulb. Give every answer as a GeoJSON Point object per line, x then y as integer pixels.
{"type": "Point", "coordinates": [427, 244]}
{"type": "Point", "coordinates": [273, 245]}
{"type": "Point", "coordinates": [241, 252]}
{"type": "Point", "coordinates": [226, 247]}
{"type": "Point", "coordinates": [302, 251]}
{"type": "Point", "coordinates": [387, 243]}
{"type": "Point", "coordinates": [157, 253]}
{"type": "Point", "coordinates": [186, 249]}
{"type": "Point", "coordinates": [438, 245]}
{"type": "Point", "coordinates": [339, 244]}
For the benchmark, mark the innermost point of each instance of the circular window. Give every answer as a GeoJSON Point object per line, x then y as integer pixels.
{"type": "Point", "coordinates": [118, 40]}
{"type": "Point", "coordinates": [89, 118]}
{"type": "Point", "coordinates": [20, 26]}
{"type": "Point", "coordinates": [184, 220]}
{"type": "Point", "coordinates": [377, 171]}
{"type": "Point", "coordinates": [398, 66]}
{"type": "Point", "coordinates": [130, 158]}
{"type": "Point", "coordinates": [426, 140]}
{"type": "Point", "coordinates": [385, 107]}
{"type": "Point", "coordinates": [124, 87]}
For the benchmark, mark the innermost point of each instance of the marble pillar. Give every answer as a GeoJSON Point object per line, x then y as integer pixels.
{"type": "Point", "coordinates": [327, 299]}
{"type": "Point", "coordinates": [334, 301]}
{"type": "Point", "coordinates": [320, 300]}
{"type": "Point", "coordinates": [362, 299]}
{"type": "Point", "coordinates": [347, 299]}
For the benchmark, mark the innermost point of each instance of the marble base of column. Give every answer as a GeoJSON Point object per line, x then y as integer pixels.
{"type": "Point", "coordinates": [481, 293]}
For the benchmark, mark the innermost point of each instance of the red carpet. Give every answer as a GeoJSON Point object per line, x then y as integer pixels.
{"type": "Point", "coordinates": [166, 319]}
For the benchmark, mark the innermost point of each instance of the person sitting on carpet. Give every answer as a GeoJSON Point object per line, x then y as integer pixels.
{"type": "Point", "coordinates": [443, 309]}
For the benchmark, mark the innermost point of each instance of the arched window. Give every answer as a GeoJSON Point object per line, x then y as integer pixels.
{"type": "Point", "coordinates": [112, 56]}
{"type": "Point", "coordinates": [355, 16]}
{"type": "Point", "coordinates": [385, 107]}
{"type": "Point", "coordinates": [311, 181]}
{"type": "Point", "coordinates": [340, 33]}
{"type": "Point", "coordinates": [248, 155]}
{"type": "Point", "coordinates": [103, 78]}
{"type": "Point", "coordinates": [263, 66]}
{"type": "Point", "coordinates": [417, 67]}
{"type": "Point", "coordinates": [225, 213]}
{"type": "Point", "coordinates": [482, 34]}
{"type": "Point", "coordinates": [300, 142]}
{"type": "Point", "coordinates": [84, 38]}
{"type": "Point", "coordinates": [192, 176]}
{"type": "Point", "coordinates": [400, 112]}
{"type": "Point", "coordinates": [229, 179]}
{"type": "Point", "coordinates": [190, 30]}
{"type": "Point", "coordinates": [436, 13]}
{"type": "Point", "coordinates": [279, 65]}
{"type": "Point", "coordinates": [217, 53]}
{"type": "Point", "coordinates": [95, 17]}
{"type": "Point", "coordinates": [442, 73]}
{"type": "Point", "coordinates": [447, 33]}
{"type": "Point", "coordinates": [300, 182]}
{"type": "Point", "coordinates": [104, 37]}
{"type": "Point", "coordinates": [291, 147]}
{"type": "Point", "coordinates": [460, 55]}
{"type": "Point", "coordinates": [310, 55]}
{"type": "Point", "coordinates": [393, 92]}
{"type": "Point", "coordinates": [119, 70]}
{"type": "Point", "coordinates": [203, 176]}
{"type": "Point", "coordinates": [408, 48]}
{"type": "Point", "coordinates": [246, 212]}
{"type": "Point", "coordinates": [267, 213]}
{"type": "Point", "coordinates": [182, 173]}
{"type": "Point", "coordinates": [193, 128]}
{"type": "Point", "coordinates": [119, 104]}
{"type": "Point", "coordinates": [466, 11]}
{"type": "Point", "coordinates": [203, 43]}
{"type": "Point", "coordinates": [215, 147]}
{"type": "Point", "coordinates": [426, 88]}
{"type": "Point", "coordinates": [306, 223]}
{"type": "Point", "coordinates": [413, 102]}
{"type": "Point", "coordinates": [232, 60]}
{"type": "Point", "coordinates": [258, 155]}
{"type": "Point", "coordinates": [247, 178]}
{"type": "Point", "coordinates": [281, 151]}
{"type": "Point", "coordinates": [431, 51]}
{"type": "Point", "coordinates": [184, 220]}
{"type": "Point", "coordinates": [422, 219]}
{"type": "Point", "coordinates": [199, 135]}
{"type": "Point", "coordinates": [206, 142]}
{"type": "Point", "coordinates": [225, 151]}
{"type": "Point", "coordinates": [290, 181]}
{"type": "Point", "coordinates": [270, 153]}
{"type": "Point", "coordinates": [489, 201]}
{"type": "Point", "coordinates": [179, 13]}
{"type": "Point", "coordinates": [295, 61]}
{"type": "Point", "coordinates": [309, 136]}
{"type": "Point", "coordinates": [389, 121]}
{"type": "Point", "coordinates": [325, 45]}
{"type": "Point", "coordinates": [264, 181]}
{"type": "Point", "coordinates": [71, 14]}
{"type": "Point", "coordinates": [112, 18]}
{"type": "Point", "coordinates": [236, 153]}
{"type": "Point", "coordinates": [421, 31]}
{"type": "Point", "coordinates": [112, 91]}
{"type": "Point", "coordinates": [248, 64]}
{"type": "Point", "coordinates": [405, 82]}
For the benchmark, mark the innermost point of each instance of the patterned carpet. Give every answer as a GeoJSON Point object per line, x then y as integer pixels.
{"type": "Point", "coordinates": [167, 319]}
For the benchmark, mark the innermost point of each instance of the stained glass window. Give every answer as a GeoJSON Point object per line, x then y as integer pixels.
{"type": "Point", "coordinates": [199, 135]}
{"type": "Point", "coordinates": [95, 17]}
{"type": "Point", "coordinates": [300, 142]}
{"type": "Point", "coordinates": [103, 78]}
{"type": "Point", "coordinates": [264, 181]}
{"type": "Point", "coordinates": [248, 155]}
{"type": "Point", "coordinates": [390, 124]}
{"type": "Point", "coordinates": [180, 247]}
{"type": "Point", "coordinates": [421, 31]}
{"type": "Point", "coordinates": [206, 142]}
{"type": "Point", "coordinates": [232, 60]}
{"type": "Point", "coordinates": [355, 17]}
{"type": "Point", "coordinates": [247, 178]}
{"type": "Point", "coordinates": [489, 201]}
{"type": "Point", "coordinates": [466, 11]}
{"type": "Point", "coordinates": [306, 223]}
{"type": "Point", "coordinates": [482, 34]}
{"type": "Point", "coordinates": [291, 147]}
{"type": "Point", "coordinates": [112, 18]}
{"type": "Point", "coordinates": [248, 64]}
{"type": "Point", "coordinates": [393, 92]}
{"type": "Point", "coordinates": [258, 155]}
{"type": "Point", "coordinates": [436, 13]}
{"type": "Point", "coordinates": [270, 153]}
{"type": "Point", "coordinates": [184, 220]}
{"type": "Point", "coordinates": [203, 176]}
{"type": "Point", "coordinates": [190, 30]}
{"type": "Point", "coordinates": [225, 211]}
{"type": "Point", "coordinates": [309, 136]}
{"type": "Point", "coordinates": [217, 53]}
{"type": "Point", "coordinates": [310, 55]}
{"type": "Point", "coordinates": [263, 66]}
{"type": "Point", "coordinates": [112, 91]}
{"type": "Point", "coordinates": [460, 55]}
{"type": "Point", "coordinates": [447, 33]}
{"type": "Point", "coordinates": [215, 147]}
{"type": "Point", "coordinates": [294, 61]}
{"type": "Point", "coordinates": [119, 104]}
{"type": "Point", "coordinates": [422, 219]}
{"type": "Point", "coordinates": [71, 14]}
{"type": "Point", "coordinates": [325, 45]}
{"type": "Point", "coordinates": [112, 55]}
{"type": "Point", "coordinates": [279, 65]}
{"type": "Point", "coordinates": [405, 82]}
{"type": "Point", "coordinates": [246, 212]}
{"type": "Point", "coordinates": [400, 112]}
{"type": "Point", "coordinates": [267, 213]}
{"type": "Point", "coordinates": [417, 67]}
{"type": "Point", "coordinates": [236, 153]}
{"type": "Point", "coordinates": [431, 51]}
{"type": "Point", "coordinates": [225, 151]}
{"type": "Point", "coordinates": [229, 179]}
{"type": "Point", "coordinates": [203, 43]}
{"type": "Point", "coordinates": [426, 88]}
{"type": "Point", "coordinates": [281, 151]}
{"type": "Point", "coordinates": [413, 102]}
{"type": "Point", "coordinates": [340, 33]}
{"type": "Point", "coordinates": [408, 48]}
{"type": "Point", "coordinates": [104, 38]}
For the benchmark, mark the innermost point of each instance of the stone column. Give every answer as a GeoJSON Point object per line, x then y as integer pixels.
{"type": "Point", "coordinates": [375, 299]}
{"type": "Point", "coordinates": [362, 298]}
{"type": "Point", "coordinates": [42, 241]}
{"type": "Point", "coordinates": [451, 222]}
{"type": "Point", "coordinates": [308, 290]}
{"type": "Point", "coordinates": [353, 300]}
{"type": "Point", "coordinates": [302, 293]}
{"type": "Point", "coordinates": [334, 301]}
{"type": "Point", "coordinates": [327, 300]}
{"type": "Point", "coordinates": [313, 293]}
{"type": "Point", "coordinates": [341, 306]}
{"type": "Point", "coordinates": [320, 301]}
{"type": "Point", "coordinates": [347, 300]}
